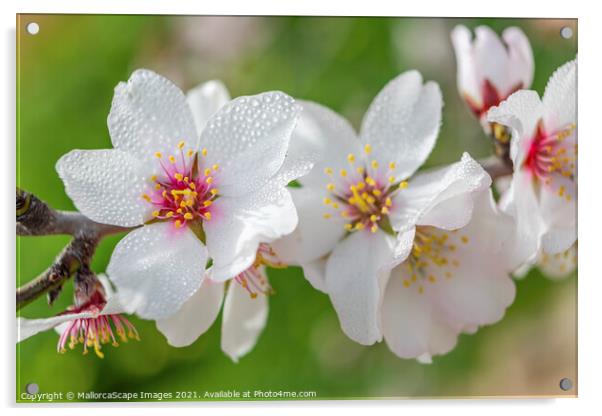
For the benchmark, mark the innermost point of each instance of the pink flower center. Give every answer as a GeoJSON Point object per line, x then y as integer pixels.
{"type": "Point", "coordinates": [362, 195]}
{"type": "Point", "coordinates": [183, 189]}
{"type": "Point", "coordinates": [490, 97]}
{"type": "Point", "coordinates": [550, 157]}
{"type": "Point", "coordinates": [94, 332]}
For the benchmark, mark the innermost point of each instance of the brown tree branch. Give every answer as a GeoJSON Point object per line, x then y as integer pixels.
{"type": "Point", "coordinates": [36, 218]}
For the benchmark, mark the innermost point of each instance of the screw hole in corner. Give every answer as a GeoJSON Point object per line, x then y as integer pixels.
{"type": "Point", "coordinates": [32, 28]}
{"type": "Point", "coordinates": [566, 384]}
{"type": "Point", "coordinates": [566, 32]}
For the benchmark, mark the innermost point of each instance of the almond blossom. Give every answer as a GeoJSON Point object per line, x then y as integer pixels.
{"type": "Point", "coordinates": [363, 210]}
{"type": "Point", "coordinates": [489, 69]}
{"type": "Point", "coordinates": [245, 308]}
{"type": "Point", "coordinates": [201, 178]}
{"type": "Point", "coordinates": [542, 196]}
{"type": "Point", "coordinates": [95, 319]}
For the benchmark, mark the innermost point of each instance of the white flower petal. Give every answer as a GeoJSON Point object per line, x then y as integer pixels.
{"type": "Point", "coordinates": [205, 100]}
{"type": "Point", "coordinates": [560, 98]}
{"type": "Point", "coordinates": [326, 137]}
{"type": "Point", "coordinates": [520, 58]}
{"type": "Point", "coordinates": [106, 185]}
{"type": "Point", "coordinates": [27, 328]}
{"type": "Point", "coordinates": [239, 224]}
{"type": "Point", "coordinates": [521, 112]}
{"type": "Point", "coordinates": [243, 321]}
{"type": "Point", "coordinates": [478, 288]}
{"type": "Point", "coordinates": [491, 60]}
{"type": "Point", "coordinates": [402, 123]}
{"type": "Point", "coordinates": [558, 240]}
{"type": "Point", "coordinates": [559, 214]}
{"type": "Point", "coordinates": [150, 114]}
{"type": "Point", "coordinates": [520, 202]}
{"type": "Point", "coordinates": [437, 197]}
{"type": "Point", "coordinates": [195, 316]}
{"type": "Point", "coordinates": [156, 268]}
{"type": "Point", "coordinates": [560, 265]}
{"type": "Point", "coordinates": [354, 272]}
{"type": "Point", "coordinates": [467, 78]}
{"type": "Point", "coordinates": [315, 236]}
{"type": "Point", "coordinates": [315, 273]}
{"type": "Point", "coordinates": [411, 327]}
{"type": "Point", "coordinates": [248, 138]}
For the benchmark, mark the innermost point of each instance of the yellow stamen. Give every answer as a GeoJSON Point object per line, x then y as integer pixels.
{"type": "Point", "coordinates": [204, 152]}
{"type": "Point", "coordinates": [403, 184]}
{"type": "Point", "coordinates": [155, 213]}
{"type": "Point", "coordinates": [178, 223]}
{"type": "Point", "coordinates": [181, 144]}
{"type": "Point", "coordinates": [158, 155]}
{"type": "Point", "coordinates": [188, 216]}
{"type": "Point", "coordinates": [368, 149]}
{"type": "Point", "coordinates": [207, 215]}
{"type": "Point", "coordinates": [351, 157]}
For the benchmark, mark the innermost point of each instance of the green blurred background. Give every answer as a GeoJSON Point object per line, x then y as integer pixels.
{"type": "Point", "coordinates": [66, 76]}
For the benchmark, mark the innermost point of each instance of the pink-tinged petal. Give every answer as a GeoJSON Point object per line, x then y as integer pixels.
{"type": "Point", "coordinates": [520, 58]}
{"type": "Point", "coordinates": [403, 122]}
{"type": "Point", "coordinates": [560, 98]}
{"type": "Point", "coordinates": [325, 136]}
{"type": "Point", "coordinates": [205, 100]}
{"type": "Point", "coordinates": [491, 60]}
{"type": "Point", "coordinates": [474, 286]}
{"type": "Point", "coordinates": [248, 139]}
{"type": "Point", "coordinates": [239, 224]}
{"type": "Point", "coordinates": [157, 268]}
{"type": "Point", "coordinates": [150, 114]}
{"type": "Point", "coordinates": [466, 75]}
{"type": "Point", "coordinates": [244, 318]}
{"type": "Point", "coordinates": [106, 185]}
{"type": "Point", "coordinates": [354, 273]}
{"type": "Point", "coordinates": [411, 327]}
{"type": "Point", "coordinates": [315, 236]}
{"type": "Point", "coordinates": [521, 112]}
{"type": "Point", "coordinates": [195, 316]}
{"type": "Point", "coordinates": [440, 197]}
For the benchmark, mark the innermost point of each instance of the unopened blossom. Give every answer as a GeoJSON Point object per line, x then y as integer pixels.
{"type": "Point", "coordinates": [95, 319]}
{"type": "Point", "coordinates": [363, 209]}
{"type": "Point", "coordinates": [542, 196]}
{"type": "Point", "coordinates": [245, 308]}
{"type": "Point", "coordinates": [201, 177]}
{"type": "Point", "coordinates": [489, 69]}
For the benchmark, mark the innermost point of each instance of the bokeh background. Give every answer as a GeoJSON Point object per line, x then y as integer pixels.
{"type": "Point", "coordinates": [66, 76]}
